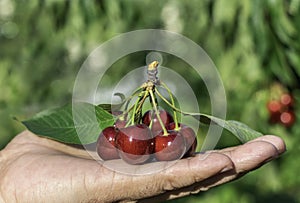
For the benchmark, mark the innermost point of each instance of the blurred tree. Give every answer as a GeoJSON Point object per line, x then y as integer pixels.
{"type": "Point", "coordinates": [254, 44]}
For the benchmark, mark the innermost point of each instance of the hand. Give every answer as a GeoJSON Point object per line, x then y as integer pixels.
{"type": "Point", "coordinates": [35, 169]}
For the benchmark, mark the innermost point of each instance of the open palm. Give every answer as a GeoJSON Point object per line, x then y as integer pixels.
{"type": "Point", "coordinates": [35, 169]}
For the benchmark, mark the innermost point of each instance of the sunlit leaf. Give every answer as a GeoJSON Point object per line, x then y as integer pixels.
{"type": "Point", "coordinates": [58, 124]}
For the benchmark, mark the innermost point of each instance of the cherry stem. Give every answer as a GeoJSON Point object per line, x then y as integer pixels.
{"type": "Point", "coordinates": [135, 108]}
{"type": "Point", "coordinates": [157, 112]}
{"type": "Point", "coordinates": [173, 105]}
{"type": "Point", "coordinates": [152, 72]}
{"type": "Point", "coordinates": [146, 94]}
{"type": "Point", "coordinates": [131, 96]}
{"type": "Point", "coordinates": [126, 112]}
{"type": "Point", "coordinates": [197, 116]}
{"type": "Point", "coordinates": [126, 109]}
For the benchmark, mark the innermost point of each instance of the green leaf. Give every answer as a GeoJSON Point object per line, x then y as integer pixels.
{"type": "Point", "coordinates": [243, 132]}
{"type": "Point", "coordinates": [78, 125]}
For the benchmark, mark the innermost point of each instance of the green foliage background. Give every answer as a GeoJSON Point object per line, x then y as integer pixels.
{"type": "Point", "coordinates": [254, 44]}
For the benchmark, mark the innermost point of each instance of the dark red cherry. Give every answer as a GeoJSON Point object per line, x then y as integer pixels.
{"type": "Point", "coordinates": [169, 147]}
{"type": "Point", "coordinates": [189, 136]}
{"type": "Point", "coordinates": [135, 143]}
{"type": "Point", "coordinates": [150, 115]}
{"type": "Point", "coordinates": [106, 146]}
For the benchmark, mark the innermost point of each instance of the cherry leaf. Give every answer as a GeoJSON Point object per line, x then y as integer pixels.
{"type": "Point", "coordinates": [58, 123]}
{"type": "Point", "coordinates": [243, 132]}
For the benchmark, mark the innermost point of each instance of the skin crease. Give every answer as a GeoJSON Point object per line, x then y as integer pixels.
{"type": "Point", "coordinates": [35, 169]}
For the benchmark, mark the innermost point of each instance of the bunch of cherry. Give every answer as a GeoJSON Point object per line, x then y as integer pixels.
{"type": "Point", "coordinates": [153, 136]}
{"type": "Point", "coordinates": [282, 110]}
{"type": "Point", "coordinates": [139, 143]}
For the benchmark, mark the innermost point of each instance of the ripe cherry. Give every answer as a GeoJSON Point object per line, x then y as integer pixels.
{"type": "Point", "coordinates": [106, 145]}
{"type": "Point", "coordinates": [135, 143]}
{"type": "Point", "coordinates": [150, 115]}
{"type": "Point", "coordinates": [189, 136]}
{"type": "Point", "coordinates": [287, 118]}
{"type": "Point", "coordinates": [287, 100]}
{"type": "Point", "coordinates": [274, 108]}
{"type": "Point", "coordinates": [169, 147]}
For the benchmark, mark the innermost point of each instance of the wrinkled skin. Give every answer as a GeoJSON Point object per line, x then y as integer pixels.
{"type": "Point", "coordinates": [35, 169]}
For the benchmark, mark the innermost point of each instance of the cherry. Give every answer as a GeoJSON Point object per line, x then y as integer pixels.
{"type": "Point", "coordinates": [286, 100]}
{"type": "Point", "coordinates": [274, 108]}
{"type": "Point", "coordinates": [287, 118]}
{"type": "Point", "coordinates": [169, 147]}
{"type": "Point", "coordinates": [150, 115]}
{"type": "Point", "coordinates": [189, 136]}
{"type": "Point", "coordinates": [135, 143]}
{"type": "Point", "coordinates": [106, 145]}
